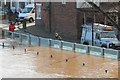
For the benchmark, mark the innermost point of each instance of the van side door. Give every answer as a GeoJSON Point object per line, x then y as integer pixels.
{"type": "Point", "coordinates": [97, 40]}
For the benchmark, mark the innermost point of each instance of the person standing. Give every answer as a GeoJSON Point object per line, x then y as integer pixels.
{"type": "Point", "coordinates": [12, 27]}
{"type": "Point", "coordinates": [10, 15]}
{"type": "Point", "coordinates": [16, 15]}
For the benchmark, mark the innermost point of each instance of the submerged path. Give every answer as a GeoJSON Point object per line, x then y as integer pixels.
{"type": "Point", "coordinates": [43, 62]}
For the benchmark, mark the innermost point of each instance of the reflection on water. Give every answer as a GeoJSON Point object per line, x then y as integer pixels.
{"type": "Point", "coordinates": [54, 63]}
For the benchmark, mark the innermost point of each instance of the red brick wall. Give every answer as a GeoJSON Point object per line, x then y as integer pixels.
{"type": "Point", "coordinates": [63, 19]}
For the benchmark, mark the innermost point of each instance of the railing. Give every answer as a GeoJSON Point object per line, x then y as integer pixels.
{"type": "Point", "coordinates": [78, 48]}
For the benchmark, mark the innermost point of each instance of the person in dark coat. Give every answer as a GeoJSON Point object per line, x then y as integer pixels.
{"type": "Point", "coordinates": [16, 15]}
{"type": "Point", "coordinates": [10, 15]}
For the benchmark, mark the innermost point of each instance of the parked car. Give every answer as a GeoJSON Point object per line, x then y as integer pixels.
{"type": "Point", "coordinates": [27, 13]}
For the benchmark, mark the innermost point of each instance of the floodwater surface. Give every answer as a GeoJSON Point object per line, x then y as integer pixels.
{"type": "Point", "coordinates": [43, 62]}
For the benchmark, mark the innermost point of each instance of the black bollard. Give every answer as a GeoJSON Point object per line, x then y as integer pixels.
{"type": "Point", "coordinates": [106, 71]}
{"type": "Point", "coordinates": [83, 64]}
{"type": "Point", "coordinates": [37, 53]}
{"type": "Point", "coordinates": [66, 60]}
{"type": "Point", "coordinates": [51, 56]}
{"type": "Point", "coordinates": [13, 47]}
{"type": "Point", "coordinates": [3, 45]}
{"type": "Point", "coordinates": [25, 50]}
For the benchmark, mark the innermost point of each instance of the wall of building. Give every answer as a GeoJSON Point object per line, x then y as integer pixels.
{"type": "Point", "coordinates": [66, 19]}
{"type": "Point", "coordinates": [62, 19]}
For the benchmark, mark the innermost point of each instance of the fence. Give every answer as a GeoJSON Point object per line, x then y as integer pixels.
{"type": "Point", "coordinates": [78, 48]}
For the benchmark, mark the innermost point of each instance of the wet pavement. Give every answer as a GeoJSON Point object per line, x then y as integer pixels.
{"type": "Point", "coordinates": [43, 62]}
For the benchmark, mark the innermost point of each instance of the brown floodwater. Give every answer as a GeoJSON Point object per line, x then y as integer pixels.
{"type": "Point", "coordinates": [94, 67]}
{"type": "Point", "coordinates": [54, 63]}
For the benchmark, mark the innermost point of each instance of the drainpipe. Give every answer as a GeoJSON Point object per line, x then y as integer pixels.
{"type": "Point", "coordinates": [119, 20]}
{"type": "Point", "coordinates": [50, 29]}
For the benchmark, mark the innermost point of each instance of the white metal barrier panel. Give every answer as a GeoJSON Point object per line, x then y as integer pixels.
{"type": "Point", "coordinates": [44, 42]}
{"type": "Point", "coordinates": [34, 41]}
{"type": "Point", "coordinates": [97, 51]}
{"type": "Point", "coordinates": [56, 44]}
{"type": "Point", "coordinates": [110, 53]}
{"type": "Point", "coordinates": [79, 48]}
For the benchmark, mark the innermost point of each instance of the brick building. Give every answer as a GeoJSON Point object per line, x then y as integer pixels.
{"type": "Point", "coordinates": [67, 18]}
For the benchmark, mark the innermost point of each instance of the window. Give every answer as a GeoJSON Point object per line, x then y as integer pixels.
{"type": "Point", "coordinates": [84, 4]}
{"type": "Point", "coordinates": [38, 9]}
{"type": "Point", "coordinates": [97, 36]}
{"type": "Point", "coordinates": [63, 1]}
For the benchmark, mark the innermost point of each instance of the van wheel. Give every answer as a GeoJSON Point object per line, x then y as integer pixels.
{"type": "Point", "coordinates": [31, 20]}
{"type": "Point", "coordinates": [86, 43]}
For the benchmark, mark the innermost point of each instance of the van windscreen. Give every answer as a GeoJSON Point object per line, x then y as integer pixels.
{"type": "Point", "coordinates": [27, 10]}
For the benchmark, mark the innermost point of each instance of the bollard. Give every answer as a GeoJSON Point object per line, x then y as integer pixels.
{"type": "Point", "coordinates": [25, 50]}
{"type": "Point", "coordinates": [24, 24]}
{"type": "Point", "coordinates": [66, 60]}
{"type": "Point", "coordinates": [13, 47]}
{"type": "Point", "coordinates": [106, 71]}
{"type": "Point", "coordinates": [37, 53]}
{"type": "Point", "coordinates": [83, 64]}
{"type": "Point", "coordinates": [51, 56]}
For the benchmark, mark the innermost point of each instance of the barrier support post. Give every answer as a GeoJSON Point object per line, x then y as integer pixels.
{"type": "Point", "coordinates": [88, 50]}
{"type": "Point", "coordinates": [118, 55]}
{"type": "Point", "coordinates": [29, 41]}
{"type": "Point", "coordinates": [3, 34]}
{"type": "Point", "coordinates": [102, 52]}
{"type": "Point", "coordinates": [74, 46]}
{"type": "Point", "coordinates": [39, 41]}
{"type": "Point", "coordinates": [50, 42]}
{"type": "Point", "coordinates": [12, 35]}
{"type": "Point", "coordinates": [61, 45]}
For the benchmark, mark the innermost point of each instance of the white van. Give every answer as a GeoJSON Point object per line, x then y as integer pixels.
{"type": "Point", "coordinates": [27, 13]}
{"type": "Point", "coordinates": [103, 36]}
